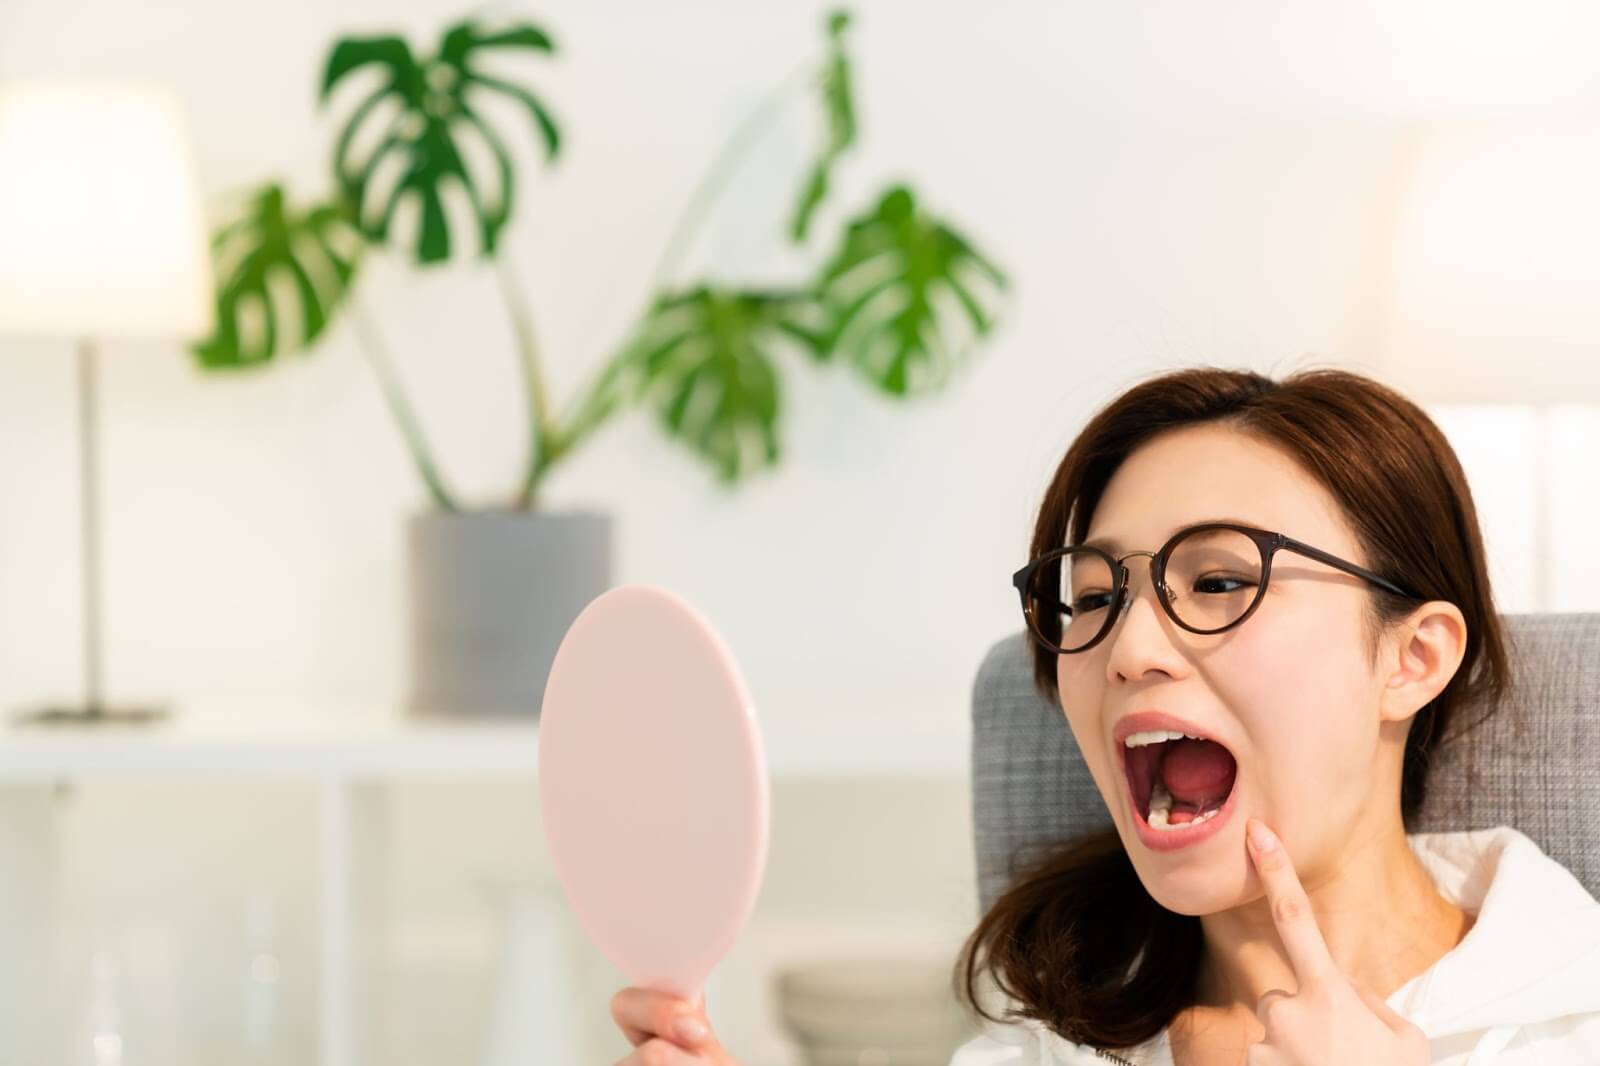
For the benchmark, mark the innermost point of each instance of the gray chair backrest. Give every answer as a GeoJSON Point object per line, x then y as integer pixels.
{"type": "Point", "coordinates": [1535, 765]}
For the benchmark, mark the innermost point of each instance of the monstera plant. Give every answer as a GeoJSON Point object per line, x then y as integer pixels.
{"type": "Point", "coordinates": [901, 297]}
{"type": "Point", "coordinates": [705, 357]}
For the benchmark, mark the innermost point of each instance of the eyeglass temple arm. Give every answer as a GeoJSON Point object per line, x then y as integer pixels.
{"type": "Point", "coordinates": [1348, 567]}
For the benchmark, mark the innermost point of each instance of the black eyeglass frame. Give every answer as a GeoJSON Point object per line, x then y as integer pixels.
{"type": "Point", "coordinates": [1269, 543]}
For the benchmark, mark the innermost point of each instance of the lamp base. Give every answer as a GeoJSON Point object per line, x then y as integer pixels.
{"type": "Point", "coordinates": [90, 715]}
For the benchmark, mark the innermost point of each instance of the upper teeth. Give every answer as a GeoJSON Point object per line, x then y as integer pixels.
{"type": "Point", "coordinates": [1155, 736]}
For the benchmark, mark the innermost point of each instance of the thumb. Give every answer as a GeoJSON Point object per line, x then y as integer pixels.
{"type": "Point", "coordinates": [702, 1035]}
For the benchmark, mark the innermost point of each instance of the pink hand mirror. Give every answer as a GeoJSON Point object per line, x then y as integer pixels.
{"type": "Point", "coordinates": [653, 787]}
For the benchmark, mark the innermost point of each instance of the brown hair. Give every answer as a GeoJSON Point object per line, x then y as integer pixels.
{"type": "Point", "coordinates": [1065, 938]}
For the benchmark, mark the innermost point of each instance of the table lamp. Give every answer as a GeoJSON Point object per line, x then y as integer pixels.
{"type": "Point", "coordinates": [101, 235]}
{"type": "Point", "coordinates": [1490, 292]}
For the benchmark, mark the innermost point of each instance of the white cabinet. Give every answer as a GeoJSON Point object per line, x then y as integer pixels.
{"type": "Point", "coordinates": [343, 754]}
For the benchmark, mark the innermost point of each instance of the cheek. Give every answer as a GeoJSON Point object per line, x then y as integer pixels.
{"type": "Point", "coordinates": [1068, 670]}
{"type": "Point", "coordinates": [1083, 719]}
{"type": "Point", "coordinates": [1296, 690]}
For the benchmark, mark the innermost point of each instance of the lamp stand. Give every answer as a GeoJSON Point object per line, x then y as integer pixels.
{"type": "Point", "coordinates": [94, 710]}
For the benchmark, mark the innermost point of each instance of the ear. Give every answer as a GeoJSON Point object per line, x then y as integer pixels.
{"type": "Point", "coordinates": [1429, 649]}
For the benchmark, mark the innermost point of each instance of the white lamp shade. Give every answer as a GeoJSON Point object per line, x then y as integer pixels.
{"type": "Point", "coordinates": [101, 231]}
{"type": "Point", "coordinates": [1491, 289]}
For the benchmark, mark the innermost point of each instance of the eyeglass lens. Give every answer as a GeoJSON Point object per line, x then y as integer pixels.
{"type": "Point", "coordinates": [1212, 576]}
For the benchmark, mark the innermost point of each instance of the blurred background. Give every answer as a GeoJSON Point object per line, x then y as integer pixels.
{"type": "Point", "coordinates": [325, 846]}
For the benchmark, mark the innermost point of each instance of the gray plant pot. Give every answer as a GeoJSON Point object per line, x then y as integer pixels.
{"type": "Point", "coordinates": [492, 595]}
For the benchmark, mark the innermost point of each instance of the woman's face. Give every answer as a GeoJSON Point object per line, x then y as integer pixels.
{"type": "Point", "coordinates": [1290, 692]}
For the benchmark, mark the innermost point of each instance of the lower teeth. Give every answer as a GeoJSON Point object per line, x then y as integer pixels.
{"type": "Point", "coordinates": [1161, 807]}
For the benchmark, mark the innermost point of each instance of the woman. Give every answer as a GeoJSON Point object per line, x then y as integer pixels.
{"type": "Point", "coordinates": [1312, 614]}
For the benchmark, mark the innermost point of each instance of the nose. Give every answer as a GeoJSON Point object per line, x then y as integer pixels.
{"type": "Point", "coordinates": [1129, 593]}
{"type": "Point", "coordinates": [1141, 653]}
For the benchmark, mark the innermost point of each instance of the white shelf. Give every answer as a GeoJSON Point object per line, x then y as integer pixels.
{"type": "Point", "coordinates": [342, 744]}
{"type": "Point", "coordinates": [259, 743]}
{"type": "Point", "coordinates": [339, 749]}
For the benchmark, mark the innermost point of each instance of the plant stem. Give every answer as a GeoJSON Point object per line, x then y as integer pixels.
{"type": "Point", "coordinates": [722, 168]}
{"type": "Point", "coordinates": [541, 431]}
{"type": "Point", "coordinates": [601, 401]}
{"type": "Point", "coordinates": [405, 416]}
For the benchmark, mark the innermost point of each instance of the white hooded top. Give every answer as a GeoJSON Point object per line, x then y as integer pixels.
{"type": "Point", "coordinates": [1522, 988]}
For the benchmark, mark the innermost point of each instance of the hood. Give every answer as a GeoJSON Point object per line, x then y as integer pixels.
{"type": "Point", "coordinates": [1532, 956]}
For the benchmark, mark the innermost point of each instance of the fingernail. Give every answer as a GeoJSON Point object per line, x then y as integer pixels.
{"type": "Point", "coordinates": [690, 1029]}
{"type": "Point", "coordinates": [1262, 837]}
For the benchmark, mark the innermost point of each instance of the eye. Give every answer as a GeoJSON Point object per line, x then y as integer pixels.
{"type": "Point", "coordinates": [1091, 601]}
{"type": "Point", "coordinates": [1213, 579]}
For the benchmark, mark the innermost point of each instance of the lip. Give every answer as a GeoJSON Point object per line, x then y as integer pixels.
{"type": "Point", "coordinates": [1151, 720]}
{"type": "Point", "coordinates": [1168, 839]}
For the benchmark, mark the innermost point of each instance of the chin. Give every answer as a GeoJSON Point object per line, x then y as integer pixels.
{"type": "Point", "coordinates": [1192, 892]}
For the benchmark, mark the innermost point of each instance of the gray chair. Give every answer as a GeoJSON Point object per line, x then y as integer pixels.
{"type": "Point", "coordinates": [1534, 766]}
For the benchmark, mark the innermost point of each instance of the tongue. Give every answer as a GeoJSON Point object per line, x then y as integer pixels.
{"type": "Point", "coordinates": [1199, 774]}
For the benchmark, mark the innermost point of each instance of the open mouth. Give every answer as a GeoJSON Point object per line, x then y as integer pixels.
{"type": "Point", "coordinates": [1179, 780]}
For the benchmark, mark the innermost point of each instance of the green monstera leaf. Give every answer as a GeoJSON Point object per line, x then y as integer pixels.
{"type": "Point", "coordinates": [272, 261]}
{"type": "Point", "coordinates": [437, 106]}
{"type": "Point", "coordinates": [841, 118]}
{"type": "Point", "coordinates": [703, 359]}
{"type": "Point", "coordinates": [889, 292]}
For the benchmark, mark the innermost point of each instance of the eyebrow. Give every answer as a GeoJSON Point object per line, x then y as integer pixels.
{"type": "Point", "coordinates": [1113, 545]}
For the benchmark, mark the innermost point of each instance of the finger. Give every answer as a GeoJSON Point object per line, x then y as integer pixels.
{"type": "Point", "coordinates": [644, 1013]}
{"type": "Point", "coordinates": [1290, 907]}
{"type": "Point", "coordinates": [660, 1052]}
{"type": "Point", "coordinates": [1262, 1055]}
{"type": "Point", "coordinates": [1267, 998]}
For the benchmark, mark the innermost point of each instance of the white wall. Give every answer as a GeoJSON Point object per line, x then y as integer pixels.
{"type": "Point", "coordinates": [1167, 182]}
{"type": "Point", "coordinates": [1165, 185]}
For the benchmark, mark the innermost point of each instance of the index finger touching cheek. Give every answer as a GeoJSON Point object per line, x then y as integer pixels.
{"type": "Point", "coordinates": [1289, 904]}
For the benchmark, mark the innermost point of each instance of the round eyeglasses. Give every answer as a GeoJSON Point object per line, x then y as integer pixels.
{"type": "Point", "coordinates": [1208, 578]}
